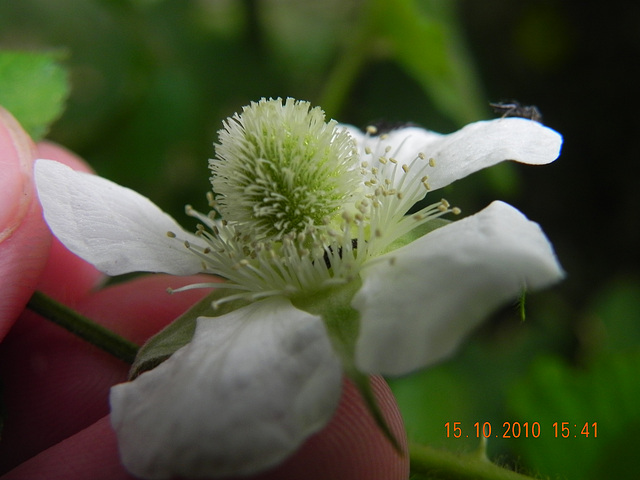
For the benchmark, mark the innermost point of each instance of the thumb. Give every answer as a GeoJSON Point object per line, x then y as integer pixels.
{"type": "Point", "coordinates": [24, 237]}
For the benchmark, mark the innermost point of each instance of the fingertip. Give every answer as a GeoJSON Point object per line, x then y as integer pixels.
{"type": "Point", "coordinates": [16, 164]}
{"type": "Point", "coordinates": [351, 446]}
{"type": "Point", "coordinates": [90, 453]}
{"type": "Point", "coordinates": [24, 237]}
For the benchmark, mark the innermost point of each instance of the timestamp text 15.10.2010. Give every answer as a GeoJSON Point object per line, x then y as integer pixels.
{"type": "Point", "coordinates": [524, 430]}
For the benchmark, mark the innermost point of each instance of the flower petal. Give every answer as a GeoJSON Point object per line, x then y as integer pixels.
{"type": "Point", "coordinates": [417, 307]}
{"type": "Point", "coordinates": [110, 226]}
{"type": "Point", "coordinates": [483, 144]}
{"type": "Point", "coordinates": [476, 146]}
{"type": "Point", "coordinates": [242, 396]}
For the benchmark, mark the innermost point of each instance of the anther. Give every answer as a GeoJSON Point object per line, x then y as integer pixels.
{"type": "Point", "coordinates": [371, 130]}
{"type": "Point", "coordinates": [382, 160]}
{"type": "Point", "coordinates": [432, 162]}
{"type": "Point", "coordinates": [421, 156]}
{"type": "Point", "coordinates": [405, 167]}
{"type": "Point", "coordinates": [367, 150]}
{"type": "Point", "coordinates": [171, 235]}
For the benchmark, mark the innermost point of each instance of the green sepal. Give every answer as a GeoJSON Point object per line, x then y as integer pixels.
{"type": "Point", "coordinates": [416, 233]}
{"type": "Point", "coordinates": [343, 326]}
{"type": "Point", "coordinates": [34, 88]}
{"type": "Point", "coordinates": [179, 332]}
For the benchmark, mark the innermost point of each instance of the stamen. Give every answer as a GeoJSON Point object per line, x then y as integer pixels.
{"type": "Point", "coordinates": [274, 230]}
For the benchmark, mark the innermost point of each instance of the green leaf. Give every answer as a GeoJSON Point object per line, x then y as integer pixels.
{"type": "Point", "coordinates": [179, 333]}
{"type": "Point", "coordinates": [33, 87]}
{"type": "Point", "coordinates": [614, 318]}
{"type": "Point", "coordinates": [425, 39]}
{"type": "Point", "coordinates": [606, 393]}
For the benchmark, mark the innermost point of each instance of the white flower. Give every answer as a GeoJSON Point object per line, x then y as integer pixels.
{"type": "Point", "coordinates": [314, 241]}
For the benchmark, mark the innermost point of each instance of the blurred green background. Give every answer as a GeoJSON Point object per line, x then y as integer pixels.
{"type": "Point", "coordinates": [151, 81]}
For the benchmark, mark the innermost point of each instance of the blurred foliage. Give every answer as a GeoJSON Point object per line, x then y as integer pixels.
{"type": "Point", "coordinates": [151, 81]}
{"type": "Point", "coordinates": [604, 388]}
{"type": "Point", "coordinates": [34, 87]}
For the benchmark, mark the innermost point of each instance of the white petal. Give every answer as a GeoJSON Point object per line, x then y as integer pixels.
{"type": "Point", "coordinates": [476, 146]}
{"type": "Point", "coordinates": [483, 144]}
{"type": "Point", "coordinates": [110, 226]}
{"type": "Point", "coordinates": [418, 306]}
{"type": "Point", "coordinates": [241, 397]}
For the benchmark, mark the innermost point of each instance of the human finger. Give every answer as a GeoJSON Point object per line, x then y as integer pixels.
{"type": "Point", "coordinates": [24, 237]}
{"type": "Point", "coordinates": [56, 384]}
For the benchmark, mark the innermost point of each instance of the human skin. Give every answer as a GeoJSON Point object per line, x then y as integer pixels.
{"type": "Point", "coordinates": [56, 386]}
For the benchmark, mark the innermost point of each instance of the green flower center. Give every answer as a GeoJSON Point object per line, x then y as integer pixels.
{"type": "Point", "coordinates": [280, 169]}
{"type": "Point", "coordinates": [295, 208]}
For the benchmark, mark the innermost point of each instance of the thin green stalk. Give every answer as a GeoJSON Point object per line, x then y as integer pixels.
{"type": "Point", "coordinates": [83, 327]}
{"type": "Point", "coordinates": [444, 465]}
{"type": "Point", "coordinates": [346, 70]}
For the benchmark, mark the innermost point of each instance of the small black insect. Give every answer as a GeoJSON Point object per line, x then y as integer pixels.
{"type": "Point", "coordinates": [515, 109]}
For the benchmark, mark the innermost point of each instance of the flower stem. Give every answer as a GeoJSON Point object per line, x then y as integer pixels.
{"type": "Point", "coordinates": [83, 327]}
{"type": "Point", "coordinates": [443, 465]}
{"type": "Point", "coordinates": [346, 70]}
